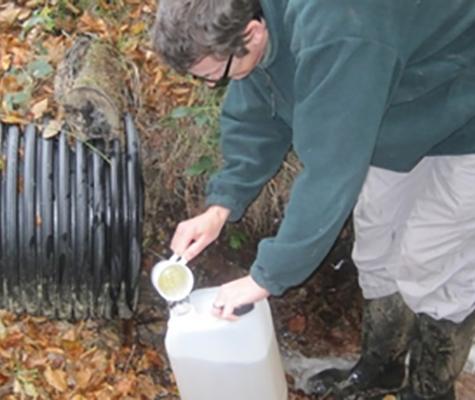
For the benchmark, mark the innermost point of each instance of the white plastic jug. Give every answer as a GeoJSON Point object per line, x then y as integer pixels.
{"type": "Point", "coordinates": [214, 359]}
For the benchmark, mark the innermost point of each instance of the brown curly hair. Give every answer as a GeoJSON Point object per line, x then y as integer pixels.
{"type": "Point", "coordinates": [186, 31]}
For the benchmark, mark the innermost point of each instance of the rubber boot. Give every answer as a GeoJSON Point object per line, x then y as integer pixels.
{"type": "Point", "coordinates": [438, 355]}
{"type": "Point", "coordinates": [408, 394]}
{"type": "Point", "coordinates": [387, 329]}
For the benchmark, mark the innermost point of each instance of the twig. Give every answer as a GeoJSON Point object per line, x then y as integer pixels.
{"type": "Point", "coordinates": [129, 358]}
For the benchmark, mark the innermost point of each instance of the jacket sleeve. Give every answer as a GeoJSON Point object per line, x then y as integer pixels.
{"type": "Point", "coordinates": [253, 145]}
{"type": "Point", "coordinates": [341, 90]}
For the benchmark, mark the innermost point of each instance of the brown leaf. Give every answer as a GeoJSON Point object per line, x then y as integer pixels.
{"type": "Point", "coordinates": [13, 339]}
{"type": "Point", "coordinates": [154, 358]}
{"type": "Point", "coordinates": [10, 84]}
{"type": "Point", "coordinates": [135, 14]}
{"type": "Point", "coordinates": [138, 28]}
{"type": "Point", "coordinates": [88, 23]}
{"type": "Point", "coordinates": [37, 360]}
{"type": "Point", "coordinates": [5, 61]}
{"type": "Point", "coordinates": [70, 335]}
{"type": "Point", "coordinates": [297, 324]}
{"type": "Point", "coordinates": [78, 397]}
{"type": "Point", "coordinates": [99, 360]}
{"type": "Point", "coordinates": [13, 119]}
{"type": "Point", "coordinates": [56, 48]}
{"type": "Point", "coordinates": [158, 76]}
{"type": "Point", "coordinates": [126, 384]}
{"type": "Point", "coordinates": [149, 388]}
{"type": "Point", "coordinates": [55, 350]}
{"type": "Point", "coordinates": [3, 328]}
{"type": "Point", "coordinates": [83, 378]}
{"type": "Point", "coordinates": [73, 347]}
{"type": "Point", "coordinates": [21, 52]}
{"type": "Point", "coordinates": [181, 90]}
{"type": "Point", "coordinates": [73, 8]}
{"type": "Point", "coordinates": [9, 14]}
{"type": "Point", "coordinates": [38, 109]}
{"type": "Point", "coordinates": [56, 378]}
{"type": "Point", "coordinates": [3, 379]}
{"type": "Point", "coordinates": [24, 14]}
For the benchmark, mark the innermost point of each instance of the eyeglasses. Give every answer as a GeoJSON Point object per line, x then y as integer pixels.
{"type": "Point", "coordinates": [223, 80]}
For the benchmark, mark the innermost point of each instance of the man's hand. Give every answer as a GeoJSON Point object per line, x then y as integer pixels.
{"type": "Point", "coordinates": [237, 293]}
{"type": "Point", "coordinates": [193, 235]}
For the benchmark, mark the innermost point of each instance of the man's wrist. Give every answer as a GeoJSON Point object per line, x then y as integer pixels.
{"type": "Point", "coordinates": [221, 212]}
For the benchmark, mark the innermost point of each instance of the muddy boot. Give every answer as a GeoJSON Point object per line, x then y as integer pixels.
{"type": "Point", "coordinates": [387, 330]}
{"type": "Point", "coordinates": [438, 356]}
{"type": "Point", "coordinates": [408, 394]}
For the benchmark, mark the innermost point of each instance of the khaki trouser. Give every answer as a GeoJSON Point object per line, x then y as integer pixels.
{"type": "Point", "coordinates": [415, 234]}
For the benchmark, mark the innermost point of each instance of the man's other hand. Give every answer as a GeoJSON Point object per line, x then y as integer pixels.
{"type": "Point", "coordinates": [237, 293]}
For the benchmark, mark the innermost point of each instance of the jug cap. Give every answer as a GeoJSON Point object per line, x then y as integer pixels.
{"type": "Point", "coordinates": [172, 279]}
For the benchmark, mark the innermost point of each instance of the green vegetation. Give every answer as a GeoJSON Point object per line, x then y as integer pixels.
{"type": "Point", "coordinates": [202, 116]}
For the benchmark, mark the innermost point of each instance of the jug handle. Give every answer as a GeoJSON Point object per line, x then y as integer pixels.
{"type": "Point", "coordinates": [243, 309]}
{"type": "Point", "coordinates": [178, 259]}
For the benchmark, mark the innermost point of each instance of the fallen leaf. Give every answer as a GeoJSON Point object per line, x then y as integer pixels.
{"type": "Point", "coordinates": [6, 61]}
{"type": "Point", "coordinates": [70, 335]}
{"type": "Point", "coordinates": [21, 52]}
{"type": "Point", "coordinates": [30, 389]}
{"type": "Point", "coordinates": [38, 109]}
{"type": "Point", "coordinates": [147, 9]}
{"type": "Point", "coordinates": [125, 385]}
{"type": "Point", "coordinates": [56, 378]}
{"type": "Point", "coordinates": [17, 386]}
{"type": "Point", "coordinates": [89, 23]}
{"type": "Point", "coordinates": [149, 388]}
{"type": "Point", "coordinates": [56, 49]}
{"type": "Point", "coordinates": [13, 339]}
{"type": "Point", "coordinates": [73, 347]}
{"type": "Point", "coordinates": [10, 14]}
{"type": "Point", "coordinates": [6, 354]}
{"type": "Point", "coordinates": [3, 379]}
{"type": "Point", "coordinates": [83, 378]}
{"type": "Point", "coordinates": [24, 14]}
{"type": "Point", "coordinates": [3, 329]}
{"type": "Point", "coordinates": [78, 397]}
{"type": "Point", "coordinates": [52, 129]}
{"type": "Point", "coordinates": [137, 28]}
{"type": "Point", "coordinates": [181, 90]}
{"type": "Point", "coordinates": [10, 83]}
{"type": "Point", "coordinates": [55, 350]}
{"type": "Point", "coordinates": [37, 360]}
{"type": "Point", "coordinates": [13, 119]}
{"type": "Point", "coordinates": [73, 8]}
{"type": "Point", "coordinates": [297, 324]}
{"type": "Point", "coordinates": [158, 76]}
{"type": "Point", "coordinates": [154, 358]}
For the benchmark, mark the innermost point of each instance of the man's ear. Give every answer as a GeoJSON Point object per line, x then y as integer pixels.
{"type": "Point", "coordinates": [255, 31]}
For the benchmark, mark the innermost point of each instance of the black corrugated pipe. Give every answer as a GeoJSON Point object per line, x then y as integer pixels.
{"type": "Point", "coordinates": [70, 224]}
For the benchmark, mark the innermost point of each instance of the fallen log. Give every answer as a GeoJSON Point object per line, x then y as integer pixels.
{"type": "Point", "coordinates": [91, 91]}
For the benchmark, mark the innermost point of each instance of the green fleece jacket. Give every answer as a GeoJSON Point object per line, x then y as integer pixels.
{"type": "Point", "coordinates": [347, 84]}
